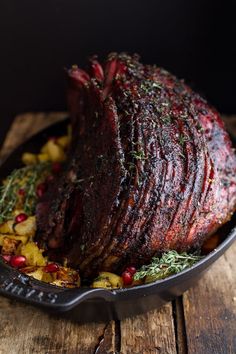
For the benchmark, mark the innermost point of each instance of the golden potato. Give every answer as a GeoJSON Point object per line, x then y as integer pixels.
{"type": "Point", "coordinates": [108, 280]}
{"type": "Point", "coordinates": [27, 227]}
{"type": "Point", "coordinates": [63, 141]}
{"type": "Point", "coordinates": [44, 149]}
{"type": "Point", "coordinates": [44, 157]}
{"type": "Point", "coordinates": [101, 283]}
{"type": "Point", "coordinates": [22, 239]}
{"type": "Point", "coordinates": [115, 280]}
{"type": "Point", "coordinates": [37, 273]}
{"type": "Point", "coordinates": [68, 275]}
{"type": "Point", "coordinates": [9, 245]}
{"type": "Point", "coordinates": [29, 158]}
{"type": "Point", "coordinates": [33, 254]}
{"type": "Point", "coordinates": [7, 227]}
{"type": "Point", "coordinates": [61, 283]}
{"type": "Point", "coordinates": [55, 152]}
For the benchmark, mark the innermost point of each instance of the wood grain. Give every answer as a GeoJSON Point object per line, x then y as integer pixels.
{"type": "Point", "coordinates": [151, 333]}
{"type": "Point", "coordinates": [27, 330]}
{"type": "Point", "coordinates": [205, 319]}
{"type": "Point", "coordinates": [210, 309]}
{"type": "Point", "coordinates": [26, 125]}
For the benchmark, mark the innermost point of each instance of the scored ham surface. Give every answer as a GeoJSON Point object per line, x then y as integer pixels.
{"type": "Point", "coordinates": [151, 169]}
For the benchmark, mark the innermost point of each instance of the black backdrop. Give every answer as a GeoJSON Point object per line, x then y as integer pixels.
{"type": "Point", "coordinates": [193, 39]}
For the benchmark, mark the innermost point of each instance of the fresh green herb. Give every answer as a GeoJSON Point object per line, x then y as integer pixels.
{"type": "Point", "coordinates": [166, 119]}
{"type": "Point", "coordinates": [170, 263]}
{"type": "Point", "coordinates": [148, 85]}
{"type": "Point", "coordinates": [199, 128]}
{"type": "Point", "coordinates": [131, 166]}
{"type": "Point", "coordinates": [183, 139]}
{"type": "Point", "coordinates": [24, 178]}
{"type": "Point", "coordinates": [182, 155]}
{"type": "Point", "coordinates": [156, 85]}
{"type": "Point", "coordinates": [138, 155]}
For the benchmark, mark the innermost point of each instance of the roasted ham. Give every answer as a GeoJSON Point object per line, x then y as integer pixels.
{"type": "Point", "coordinates": [151, 168]}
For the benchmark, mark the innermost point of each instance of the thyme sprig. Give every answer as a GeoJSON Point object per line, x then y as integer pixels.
{"type": "Point", "coordinates": [149, 85]}
{"type": "Point", "coordinates": [138, 155]}
{"type": "Point", "coordinates": [170, 263]}
{"type": "Point", "coordinates": [183, 139]}
{"type": "Point", "coordinates": [23, 178]}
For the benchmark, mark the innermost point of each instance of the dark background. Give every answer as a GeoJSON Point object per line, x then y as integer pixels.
{"type": "Point", "coordinates": [193, 39]}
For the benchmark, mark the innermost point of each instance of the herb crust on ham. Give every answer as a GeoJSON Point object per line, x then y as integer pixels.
{"type": "Point", "coordinates": [151, 169]}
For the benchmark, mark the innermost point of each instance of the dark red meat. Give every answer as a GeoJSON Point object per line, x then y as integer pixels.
{"type": "Point", "coordinates": [151, 169]}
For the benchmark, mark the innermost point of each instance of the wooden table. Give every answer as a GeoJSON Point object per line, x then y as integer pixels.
{"type": "Point", "coordinates": [202, 321]}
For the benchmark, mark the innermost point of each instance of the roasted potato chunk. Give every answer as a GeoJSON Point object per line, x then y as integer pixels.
{"type": "Point", "coordinates": [55, 152]}
{"type": "Point", "coordinates": [7, 227]}
{"type": "Point", "coordinates": [44, 149]}
{"type": "Point", "coordinates": [101, 283]}
{"type": "Point", "coordinates": [37, 273]}
{"type": "Point", "coordinates": [68, 276]}
{"type": "Point", "coordinates": [29, 158]}
{"type": "Point", "coordinates": [27, 227]}
{"type": "Point", "coordinates": [9, 245]}
{"type": "Point", "coordinates": [20, 239]}
{"type": "Point", "coordinates": [44, 157]}
{"type": "Point", "coordinates": [63, 141]}
{"type": "Point", "coordinates": [108, 280]}
{"type": "Point", "coordinates": [33, 254]}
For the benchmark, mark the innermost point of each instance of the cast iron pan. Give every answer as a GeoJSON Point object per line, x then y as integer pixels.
{"type": "Point", "coordinates": [87, 304]}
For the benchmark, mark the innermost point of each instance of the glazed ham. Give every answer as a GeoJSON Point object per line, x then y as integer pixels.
{"type": "Point", "coordinates": [151, 169]}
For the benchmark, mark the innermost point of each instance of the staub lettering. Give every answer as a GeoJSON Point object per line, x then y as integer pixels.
{"type": "Point", "coordinates": [7, 286]}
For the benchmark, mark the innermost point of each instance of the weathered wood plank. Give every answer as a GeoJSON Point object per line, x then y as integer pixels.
{"type": "Point", "coordinates": [27, 330]}
{"type": "Point", "coordinates": [149, 333]}
{"type": "Point", "coordinates": [26, 125]}
{"type": "Point", "coordinates": [210, 309]}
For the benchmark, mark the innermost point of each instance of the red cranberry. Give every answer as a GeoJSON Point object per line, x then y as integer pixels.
{"type": "Point", "coordinates": [21, 217]}
{"type": "Point", "coordinates": [127, 277]}
{"type": "Point", "coordinates": [6, 257]}
{"type": "Point", "coordinates": [18, 261]}
{"type": "Point", "coordinates": [56, 167]}
{"type": "Point", "coordinates": [132, 270]}
{"type": "Point", "coordinates": [51, 268]}
{"type": "Point", "coordinates": [21, 192]}
{"type": "Point", "coordinates": [41, 189]}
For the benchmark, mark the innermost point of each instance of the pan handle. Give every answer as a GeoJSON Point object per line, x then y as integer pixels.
{"type": "Point", "coordinates": [21, 287]}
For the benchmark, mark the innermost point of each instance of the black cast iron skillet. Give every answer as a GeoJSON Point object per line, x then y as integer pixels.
{"type": "Point", "coordinates": [86, 304]}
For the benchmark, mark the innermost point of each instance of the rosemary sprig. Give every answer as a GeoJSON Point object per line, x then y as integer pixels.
{"type": "Point", "coordinates": [170, 263]}
{"type": "Point", "coordinates": [23, 178]}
